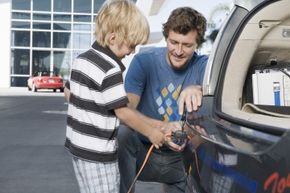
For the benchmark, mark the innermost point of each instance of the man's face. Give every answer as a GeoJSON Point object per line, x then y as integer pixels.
{"type": "Point", "coordinates": [180, 48]}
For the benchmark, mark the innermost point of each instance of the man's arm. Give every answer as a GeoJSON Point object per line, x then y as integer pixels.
{"type": "Point", "coordinates": [134, 100]}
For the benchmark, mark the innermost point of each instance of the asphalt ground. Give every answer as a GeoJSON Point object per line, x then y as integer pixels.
{"type": "Point", "coordinates": [32, 156]}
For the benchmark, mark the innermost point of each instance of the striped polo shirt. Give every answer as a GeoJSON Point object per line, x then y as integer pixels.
{"type": "Point", "coordinates": [97, 89]}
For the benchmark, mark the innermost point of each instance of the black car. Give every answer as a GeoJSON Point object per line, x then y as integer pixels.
{"type": "Point", "coordinates": [244, 121]}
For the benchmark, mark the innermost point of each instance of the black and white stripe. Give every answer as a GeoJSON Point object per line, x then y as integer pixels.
{"type": "Point", "coordinates": [96, 90]}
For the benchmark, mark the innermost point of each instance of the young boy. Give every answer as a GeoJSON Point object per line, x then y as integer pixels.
{"type": "Point", "coordinates": [98, 99]}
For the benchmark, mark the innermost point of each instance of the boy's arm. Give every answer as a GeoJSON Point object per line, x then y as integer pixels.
{"type": "Point", "coordinates": [165, 127]}
{"type": "Point", "coordinates": [135, 120]}
{"type": "Point", "coordinates": [133, 103]}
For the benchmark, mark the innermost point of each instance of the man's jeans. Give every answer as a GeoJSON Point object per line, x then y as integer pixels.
{"type": "Point", "coordinates": [166, 167]}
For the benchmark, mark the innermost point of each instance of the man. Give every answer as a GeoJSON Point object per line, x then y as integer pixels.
{"type": "Point", "coordinates": [159, 82]}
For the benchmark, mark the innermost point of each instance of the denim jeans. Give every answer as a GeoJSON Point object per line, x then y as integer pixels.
{"type": "Point", "coordinates": [166, 167]}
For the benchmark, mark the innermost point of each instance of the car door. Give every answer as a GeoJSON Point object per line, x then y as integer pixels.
{"type": "Point", "coordinates": [243, 142]}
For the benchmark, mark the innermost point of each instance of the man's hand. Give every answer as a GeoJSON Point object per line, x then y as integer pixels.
{"type": "Point", "coordinates": [173, 146]}
{"type": "Point", "coordinates": [191, 98]}
{"type": "Point", "coordinates": [168, 128]}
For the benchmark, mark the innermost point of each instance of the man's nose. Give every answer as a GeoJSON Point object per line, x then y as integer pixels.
{"type": "Point", "coordinates": [179, 49]}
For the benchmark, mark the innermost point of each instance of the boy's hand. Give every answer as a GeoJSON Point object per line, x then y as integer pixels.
{"type": "Point", "coordinates": [169, 127]}
{"type": "Point", "coordinates": [156, 137]}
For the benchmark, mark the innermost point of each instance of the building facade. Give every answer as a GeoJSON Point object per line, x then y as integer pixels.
{"type": "Point", "coordinates": [44, 36]}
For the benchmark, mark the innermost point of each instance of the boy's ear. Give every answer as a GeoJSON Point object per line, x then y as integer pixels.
{"type": "Point", "coordinates": [112, 38]}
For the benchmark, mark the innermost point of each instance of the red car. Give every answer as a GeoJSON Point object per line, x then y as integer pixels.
{"type": "Point", "coordinates": [43, 80]}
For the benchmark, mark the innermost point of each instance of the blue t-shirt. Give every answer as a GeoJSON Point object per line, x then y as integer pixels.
{"type": "Point", "coordinates": [159, 85]}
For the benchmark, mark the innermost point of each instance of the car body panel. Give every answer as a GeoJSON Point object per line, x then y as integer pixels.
{"type": "Point", "coordinates": [241, 151]}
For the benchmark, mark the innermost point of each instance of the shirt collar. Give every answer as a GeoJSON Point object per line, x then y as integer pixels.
{"type": "Point", "coordinates": [109, 52]}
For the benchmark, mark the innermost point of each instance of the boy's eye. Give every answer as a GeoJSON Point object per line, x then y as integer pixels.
{"type": "Point", "coordinates": [132, 47]}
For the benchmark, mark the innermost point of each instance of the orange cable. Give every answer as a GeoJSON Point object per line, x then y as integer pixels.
{"type": "Point", "coordinates": [142, 167]}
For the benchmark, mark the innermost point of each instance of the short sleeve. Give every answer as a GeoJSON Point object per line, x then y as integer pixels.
{"type": "Point", "coordinates": [114, 94]}
{"type": "Point", "coordinates": [135, 79]}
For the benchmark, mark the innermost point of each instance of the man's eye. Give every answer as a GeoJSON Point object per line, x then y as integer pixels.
{"type": "Point", "coordinates": [189, 45]}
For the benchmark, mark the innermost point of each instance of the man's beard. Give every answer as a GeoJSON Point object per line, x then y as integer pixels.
{"type": "Point", "coordinates": [174, 67]}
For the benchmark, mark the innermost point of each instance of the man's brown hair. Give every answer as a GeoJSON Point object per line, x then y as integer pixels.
{"type": "Point", "coordinates": [183, 20]}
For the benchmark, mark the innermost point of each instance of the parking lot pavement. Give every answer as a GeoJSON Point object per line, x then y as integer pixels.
{"type": "Point", "coordinates": [32, 133]}
{"type": "Point", "coordinates": [23, 91]}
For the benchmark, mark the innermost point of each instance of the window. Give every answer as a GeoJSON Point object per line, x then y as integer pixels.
{"type": "Point", "coordinates": [82, 18]}
{"type": "Point", "coordinates": [82, 27]}
{"type": "Point", "coordinates": [41, 39]}
{"type": "Point", "coordinates": [22, 16]}
{"type": "Point", "coordinates": [21, 4]}
{"type": "Point", "coordinates": [41, 25]}
{"type": "Point", "coordinates": [41, 16]}
{"type": "Point", "coordinates": [62, 17]}
{"type": "Point", "coordinates": [62, 26]}
{"type": "Point", "coordinates": [81, 41]}
{"type": "Point", "coordinates": [20, 61]}
{"type": "Point", "coordinates": [20, 24]}
{"type": "Point", "coordinates": [61, 40]}
{"type": "Point", "coordinates": [40, 5]}
{"type": "Point", "coordinates": [97, 5]}
{"type": "Point", "coordinates": [49, 30]}
{"type": "Point", "coordinates": [40, 61]}
{"type": "Point", "coordinates": [62, 5]}
{"type": "Point", "coordinates": [20, 38]}
{"type": "Point", "coordinates": [82, 6]}
{"type": "Point", "coordinates": [61, 61]}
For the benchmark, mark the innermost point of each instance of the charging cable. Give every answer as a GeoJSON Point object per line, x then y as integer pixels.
{"type": "Point", "coordinates": [182, 120]}
{"type": "Point", "coordinates": [142, 167]}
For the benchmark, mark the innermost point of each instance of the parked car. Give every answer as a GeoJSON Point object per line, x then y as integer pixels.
{"type": "Point", "coordinates": [243, 125]}
{"type": "Point", "coordinates": [43, 80]}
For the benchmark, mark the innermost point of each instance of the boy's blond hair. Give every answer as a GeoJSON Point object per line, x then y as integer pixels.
{"type": "Point", "coordinates": [124, 19]}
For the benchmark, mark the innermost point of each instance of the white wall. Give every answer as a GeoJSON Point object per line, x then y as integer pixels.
{"type": "Point", "coordinates": [5, 6]}
{"type": "Point", "coordinates": [155, 21]}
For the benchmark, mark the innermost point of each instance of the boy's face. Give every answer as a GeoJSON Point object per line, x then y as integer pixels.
{"type": "Point", "coordinates": [180, 48]}
{"type": "Point", "coordinates": [122, 50]}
